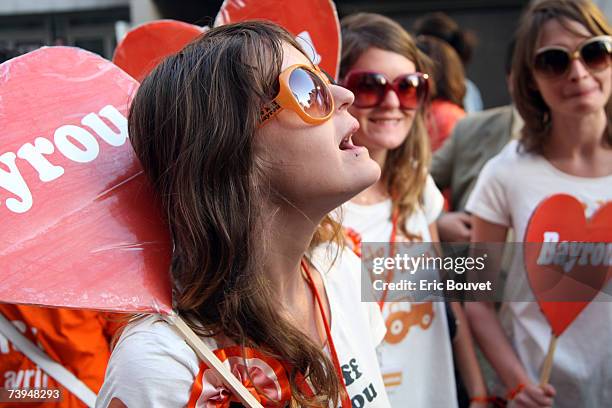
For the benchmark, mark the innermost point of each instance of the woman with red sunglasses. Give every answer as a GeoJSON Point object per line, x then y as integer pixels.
{"type": "Point", "coordinates": [562, 81]}
{"type": "Point", "coordinates": [249, 147]}
{"type": "Point", "coordinates": [382, 66]}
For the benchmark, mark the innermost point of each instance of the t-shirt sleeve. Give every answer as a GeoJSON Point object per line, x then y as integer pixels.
{"type": "Point", "coordinates": [149, 369]}
{"type": "Point", "coordinates": [488, 199]}
{"type": "Point", "coordinates": [433, 200]}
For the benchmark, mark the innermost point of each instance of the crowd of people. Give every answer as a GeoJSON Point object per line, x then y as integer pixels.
{"type": "Point", "coordinates": [275, 175]}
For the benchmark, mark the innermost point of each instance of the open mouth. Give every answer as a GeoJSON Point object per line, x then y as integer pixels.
{"type": "Point", "coordinates": [347, 142]}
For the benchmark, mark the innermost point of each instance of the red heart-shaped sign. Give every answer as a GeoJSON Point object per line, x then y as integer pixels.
{"type": "Point", "coordinates": [566, 257]}
{"type": "Point", "coordinates": [314, 23]}
{"type": "Point", "coordinates": [80, 227]}
{"type": "Point", "coordinates": [146, 45]}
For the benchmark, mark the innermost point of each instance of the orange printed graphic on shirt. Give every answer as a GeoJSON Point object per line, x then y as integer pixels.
{"type": "Point", "coordinates": [392, 379]}
{"type": "Point", "coordinates": [264, 377]}
{"type": "Point", "coordinates": [77, 339]}
{"type": "Point", "coordinates": [399, 321]}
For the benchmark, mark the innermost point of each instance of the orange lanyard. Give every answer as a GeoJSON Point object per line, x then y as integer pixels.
{"type": "Point", "coordinates": [392, 238]}
{"type": "Point", "coordinates": [346, 401]}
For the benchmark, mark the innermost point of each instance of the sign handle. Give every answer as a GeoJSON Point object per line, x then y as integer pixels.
{"type": "Point", "coordinates": [211, 360]}
{"type": "Point", "coordinates": [548, 362]}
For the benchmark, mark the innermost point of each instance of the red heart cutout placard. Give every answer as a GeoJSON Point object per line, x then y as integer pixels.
{"type": "Point", "coordinates": [80, 227]}
{"type": "Point", "coordinates": [563, 266]}
{"type": "Point", "coordinates": [146, 45]}
{"type": "Point", "coordinates": [314, 23]}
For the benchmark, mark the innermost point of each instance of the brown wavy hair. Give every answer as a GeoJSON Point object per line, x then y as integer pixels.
{"type": "Point", "coordinates": [405, 168]}
{"type": "Point", "coordinates": [447, 70]}
{"type": "Point", "coordinates": [527, 98]}
{"type": "Point", "coordinates": [192, 125]}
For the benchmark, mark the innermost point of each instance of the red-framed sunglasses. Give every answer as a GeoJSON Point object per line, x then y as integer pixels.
{"type": "Point", "coordinates": [370, 88]}
{"type": "Point", "coordinates": [554, 61]}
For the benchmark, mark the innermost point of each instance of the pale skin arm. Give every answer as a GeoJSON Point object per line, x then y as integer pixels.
{"type": "Point", "coordinates": [493, 341]}
{"type": "Point", "coordinates": [463, 348]}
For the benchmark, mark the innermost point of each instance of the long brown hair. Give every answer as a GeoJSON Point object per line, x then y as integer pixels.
{"type": "Point", "coordinates": [527, 98]}
{"type": "Point", "coordinates": [405, 168]}
{"type": "Point", "coordinates": [192, 125]}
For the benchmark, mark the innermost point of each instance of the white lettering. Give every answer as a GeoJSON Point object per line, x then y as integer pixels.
{"type": "Point", "coordinates": [598, 253]}
{"type": "Point", "coordinates": [14, 182]}
{"type": "Point", "coordinates": [74, 142]}
{"type": "Point", "coordinates": [33, 154]}
{"type": "Point", "coordinates": [70, 150]}
{"type": "Point", "coordinates": [103, 130]}
{"type": "Point", "coordinates": [547, 252]}
{"type": "Point", "coordinates": [587, 248]}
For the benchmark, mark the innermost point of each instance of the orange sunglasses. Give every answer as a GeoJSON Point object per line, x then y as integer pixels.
{"type": "Point", "coordinates": [305, 90]}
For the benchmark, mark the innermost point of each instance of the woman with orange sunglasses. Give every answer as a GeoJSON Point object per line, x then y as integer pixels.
{"type": "Point", "coordinates": [249, 147]}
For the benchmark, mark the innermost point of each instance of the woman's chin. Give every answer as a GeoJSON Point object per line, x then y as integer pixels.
{"type": "Point", "coordinates": [366, 176]}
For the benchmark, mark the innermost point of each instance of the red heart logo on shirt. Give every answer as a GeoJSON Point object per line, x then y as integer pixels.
{"type": "Point", "coordinates": [569, 265]}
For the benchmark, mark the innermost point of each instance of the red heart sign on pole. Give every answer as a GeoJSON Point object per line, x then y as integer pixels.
{"type": "Point", "coordinates": [314, 23]}
{"type": "Point", "coordinates": [563, 267]}
{"type": "Point", "coordinates": [79, 224]}
{"type": "Point", "coordinates": [569, 262]}
{"type": "Point", "coordinates": [145, 46]}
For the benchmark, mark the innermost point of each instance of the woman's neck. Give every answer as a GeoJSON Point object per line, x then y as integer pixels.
{"type": "Point", "coordinates": [374, 194]}
{"type": "Point", "coordinates": [576, 145]}
{"type": "Point", "coordinates": [288, 236]}
{"type": "Point", "coordinates": [574, 137]}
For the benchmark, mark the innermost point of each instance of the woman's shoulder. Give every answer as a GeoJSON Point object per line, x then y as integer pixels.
{"type": "Point", "coordinates": [151, 341]}
{"type": "Point", "coordinates": [150, 364]}
{"type": "Point", "coordinates": [511, 160]}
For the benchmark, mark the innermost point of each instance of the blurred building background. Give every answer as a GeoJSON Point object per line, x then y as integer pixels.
{"type": "Point", "coordinates": [96, 24]}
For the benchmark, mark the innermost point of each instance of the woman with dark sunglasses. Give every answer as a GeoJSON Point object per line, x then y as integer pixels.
{"type": "Point", "coordinates": [249, 147]}
{"type": "Point", "coordinates": [388, 75]}
{"type": "Point", "coordinates": [562, 80]}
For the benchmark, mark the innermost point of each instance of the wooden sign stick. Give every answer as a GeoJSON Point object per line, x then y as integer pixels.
{"type": "Point", "coordinates": [211, 360]}
{"type": "Point", "coordinates": [548, 362]}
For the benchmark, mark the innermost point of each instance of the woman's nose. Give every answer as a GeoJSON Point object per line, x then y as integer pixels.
{"type": "Point", "coordinates": [390, 100]}
{"type": "Point", "coordinates": [577, 70]}
{"type": "Point", "coordinates": [343, 98]}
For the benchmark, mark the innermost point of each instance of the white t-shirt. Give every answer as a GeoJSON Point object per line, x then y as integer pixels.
{"type": "Point", "coordinates": [417, 364]}
{"type": "Point", "coordinates": [510, 187]}
{"type": "Point", "coordinates": [152, 366]}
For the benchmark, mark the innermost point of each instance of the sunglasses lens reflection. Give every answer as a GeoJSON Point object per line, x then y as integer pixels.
{"type": "Point", "coordinates": [311, 93]}
{"type": "Point", "coordinates": [410, 91]}
{"type": "Point", "coordinates": [369, 89]}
